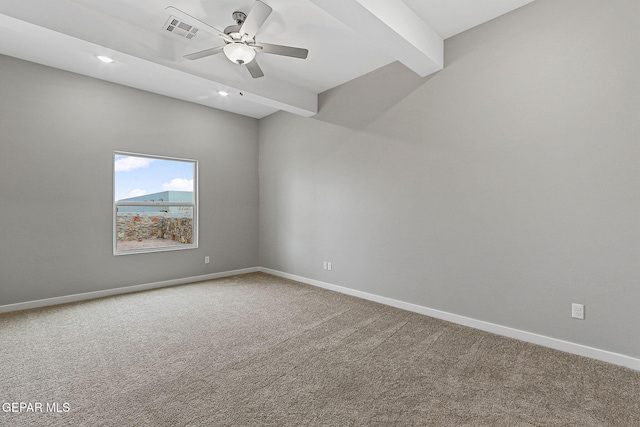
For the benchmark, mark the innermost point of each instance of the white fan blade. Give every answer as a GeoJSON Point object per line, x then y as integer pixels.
{"type": "Point", "coordinates": [254, 69]}
{"type": "Point", "coordinates": [256, 17]}
{"type": "Point", "coordinates": [194, 22]}
{"type": "Point", "coordinates": [276, 49]}
{"type": "Point", "coordinates": [204, 53]}
{"type": "Point", "coordinates": [226, 37]}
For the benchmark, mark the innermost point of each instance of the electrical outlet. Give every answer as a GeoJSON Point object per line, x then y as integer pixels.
{"type": "Point", "coordinates": [577, 311]}
{"type": "Point", "coordinates": [206, 260]}
{"type": "Point", "coordinates": [329, 266]}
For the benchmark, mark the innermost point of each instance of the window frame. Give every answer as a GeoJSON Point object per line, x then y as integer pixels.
{"type": "Point", "coordinates": [194, 205]}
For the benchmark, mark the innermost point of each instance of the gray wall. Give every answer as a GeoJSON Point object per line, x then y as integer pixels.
{"type": "Point", "coordinates": [503, 188]}
{"type": "Point", "coordinates": [58, 132]}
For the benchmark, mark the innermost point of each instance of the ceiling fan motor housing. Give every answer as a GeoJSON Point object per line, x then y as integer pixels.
{"type": "Point", "coordinates": [232, 30]}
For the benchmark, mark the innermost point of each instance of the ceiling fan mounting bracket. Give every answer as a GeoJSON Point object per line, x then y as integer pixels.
{"type": "Point", "coordinates": [239, 17]}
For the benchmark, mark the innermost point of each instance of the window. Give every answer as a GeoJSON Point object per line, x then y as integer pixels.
{"type": "Point", "coordinates": [155, 203]}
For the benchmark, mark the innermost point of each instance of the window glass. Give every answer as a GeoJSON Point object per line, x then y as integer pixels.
{"type": "Point", "coordinates": [155, 203]}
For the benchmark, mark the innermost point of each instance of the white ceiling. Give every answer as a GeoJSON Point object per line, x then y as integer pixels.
{"type": "Point", "coordinates": [345, 38]}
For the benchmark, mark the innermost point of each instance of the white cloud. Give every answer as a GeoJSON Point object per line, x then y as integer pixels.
{"type": "Point", "coordinates": [178, 184]}
{"type": "Point", "coordinates": [137, 192]}
{"type": "Point", "coordinates": [127, 164]}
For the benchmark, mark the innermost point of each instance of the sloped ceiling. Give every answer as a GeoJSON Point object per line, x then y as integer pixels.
{"type": "Point", "coordinates": [345, 38]}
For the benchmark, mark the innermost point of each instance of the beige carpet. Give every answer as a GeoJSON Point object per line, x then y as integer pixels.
{"type": "Point", "coordinates": [256, 350]}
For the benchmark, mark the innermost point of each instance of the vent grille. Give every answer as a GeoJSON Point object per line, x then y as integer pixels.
{"type": "Point", "coordinates": [179, 28]}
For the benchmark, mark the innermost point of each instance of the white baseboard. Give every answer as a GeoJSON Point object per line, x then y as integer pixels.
{"type": "Point", "coordinates": [117, 291]}
{"type": "Point", "coordinates": [557, 344]}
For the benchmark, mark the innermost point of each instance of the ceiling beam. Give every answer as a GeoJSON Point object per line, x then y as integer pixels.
{"type": "Point", "coordinates": [395, 28]}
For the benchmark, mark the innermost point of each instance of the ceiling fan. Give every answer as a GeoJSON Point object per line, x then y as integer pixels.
{"type": "Point", "coordinates": [240, 44]}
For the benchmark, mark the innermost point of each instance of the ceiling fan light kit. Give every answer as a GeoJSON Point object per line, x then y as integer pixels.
{"type": "Point", "coordinates": [239, 53]}
{"type": "Point", "coordinates": [240, 46]}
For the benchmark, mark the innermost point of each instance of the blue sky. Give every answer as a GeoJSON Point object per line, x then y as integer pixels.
{"type": "Point", "coordinates": [137, 176]}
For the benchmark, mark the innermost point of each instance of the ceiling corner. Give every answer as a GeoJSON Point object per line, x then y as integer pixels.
{"type": "Point", "coordinates": [395, 28]}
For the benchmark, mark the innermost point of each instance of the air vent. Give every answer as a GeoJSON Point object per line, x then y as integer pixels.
{"type": "Point", "coordinates": [177, 27]}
